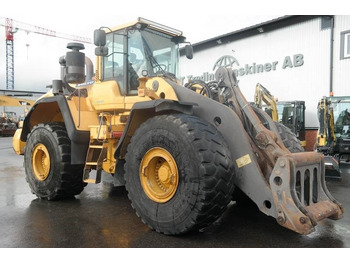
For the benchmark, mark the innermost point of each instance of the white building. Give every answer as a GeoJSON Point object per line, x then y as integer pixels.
{"type": "Point", "coordinates": [294, 57]}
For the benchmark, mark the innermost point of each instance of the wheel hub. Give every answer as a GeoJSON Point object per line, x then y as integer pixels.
{"type": "Point", "coordinates": [159, 175]}
{"type": "Point", "coordinates": [164, 174]}
{"type": "Point", "coordinates": [41, 162]}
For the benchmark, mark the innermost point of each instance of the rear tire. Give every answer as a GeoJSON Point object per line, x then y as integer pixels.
{"type": "Point", "coordinates": [47, 159]}
{"type": "Point", "coordinates": [179, 174]}
{"type": "Point", "coordinates": [289, 139]}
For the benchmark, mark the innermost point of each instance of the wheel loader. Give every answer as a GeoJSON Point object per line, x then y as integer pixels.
{"type": "Point", "coordinates": [180, 155]}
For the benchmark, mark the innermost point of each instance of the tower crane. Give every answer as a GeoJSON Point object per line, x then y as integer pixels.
{"type": "Point", "coordinates": [12, 26]}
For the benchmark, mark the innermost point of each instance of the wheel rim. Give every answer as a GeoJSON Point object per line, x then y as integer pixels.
{"type": "Point", "coordinates": [41, 162]}
{"type": "Point", "coordinates": [159, 175]}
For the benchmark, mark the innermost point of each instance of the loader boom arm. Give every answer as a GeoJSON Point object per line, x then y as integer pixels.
{"type": "Point", "coordinates": [270, 144]}
{"type": "Point", "coordinates": [296, 181]}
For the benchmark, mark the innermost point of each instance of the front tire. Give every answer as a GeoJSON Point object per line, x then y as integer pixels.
{"type": "Point", "coordinates": [179, 173]}
{"type": "Point", "coordinates": [47, 159]}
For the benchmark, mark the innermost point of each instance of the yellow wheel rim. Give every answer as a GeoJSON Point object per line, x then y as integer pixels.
{"type": "Point", "coordinates": [159, 175]}
{"type": "Point", "coordinates": [41, 162]}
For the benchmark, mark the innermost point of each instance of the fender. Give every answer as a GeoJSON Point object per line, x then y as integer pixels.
{"type": "Point", "coordinates": [141, 111]}
{"type": "Point", "coordinates": [57, 110]}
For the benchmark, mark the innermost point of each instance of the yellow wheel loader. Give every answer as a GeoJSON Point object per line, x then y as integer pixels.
{"type": "Point", "coordinates": [180, 154]}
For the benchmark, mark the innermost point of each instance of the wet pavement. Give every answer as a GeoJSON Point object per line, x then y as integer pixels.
{"type": "Point", "coordinates": [102, 216]}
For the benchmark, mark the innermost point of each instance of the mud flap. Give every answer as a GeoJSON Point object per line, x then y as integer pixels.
{"type": "Point", "coordinates": [300, 194]}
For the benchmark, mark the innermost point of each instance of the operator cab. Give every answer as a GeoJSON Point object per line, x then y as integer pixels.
{"type": "Point", "coordinates": [292, 115]}
{"type": "Point", "coordinates": [142, 49]}
{"type": "Point", "coordinates": [341, 111]}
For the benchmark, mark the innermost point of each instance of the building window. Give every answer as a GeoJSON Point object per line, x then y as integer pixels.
{"type": "Point", "coordinates": [345, 45]}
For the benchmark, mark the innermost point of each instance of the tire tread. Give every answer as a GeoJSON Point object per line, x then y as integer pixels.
{"type": "Point", "coordinates": [215, 167]}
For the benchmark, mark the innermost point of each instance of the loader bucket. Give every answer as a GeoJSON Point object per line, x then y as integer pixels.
{"type": "Point", "coordinates": [300, 194]}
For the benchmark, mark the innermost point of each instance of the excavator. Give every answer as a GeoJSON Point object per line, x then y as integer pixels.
{"type": "Point", "coordinates": [289, 113]}
{"type": "Point", "coordinates": [333, 138]}
{"type": "Point", "coordinates": [181, 155]}
{"type": "Point", "coordinates": [14, 101]}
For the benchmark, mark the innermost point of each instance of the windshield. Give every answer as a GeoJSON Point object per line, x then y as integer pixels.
{"type": "Point", "coordinates": [152, 53]}
{"type": "Point", "coordinates": [285, 113]}
{"type": "Point", "coordinates": [341, 112]}
{"type": "Point", "coordinates": [291, 114]}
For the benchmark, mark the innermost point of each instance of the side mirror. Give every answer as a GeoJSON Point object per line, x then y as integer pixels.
{"type": "Point", "coordinates": [101, 51]}
{"type": "Point", "coordinates": [189, 51]}
{"type": "Point", "coordinates": [100, 42]}
{"type": "Point", "coordinates": [99, 37]}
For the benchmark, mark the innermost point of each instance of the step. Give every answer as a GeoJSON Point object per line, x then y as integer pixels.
{"type": "Point", "coordinates": [96, 146]}
{"type": "Point", "coordinates": [91, 181]}
{"type": "Point", "coordinates": [91, 163]}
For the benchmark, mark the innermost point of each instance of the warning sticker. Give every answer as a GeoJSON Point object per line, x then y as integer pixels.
{"type": "Point", "coordinates": [243, 161]}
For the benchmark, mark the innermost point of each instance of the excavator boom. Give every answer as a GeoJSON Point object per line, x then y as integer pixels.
{"type": "Point", "coordinates": [11, 101]}
{"type": "Point", "coordinates": [263, 95]}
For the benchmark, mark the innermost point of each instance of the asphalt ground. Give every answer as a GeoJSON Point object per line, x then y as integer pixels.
{"type": "Point", "coordinates": [102, 217]}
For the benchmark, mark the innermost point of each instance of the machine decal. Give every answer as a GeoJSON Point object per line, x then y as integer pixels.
{"type": "Point", "coordinates": [243, 161]}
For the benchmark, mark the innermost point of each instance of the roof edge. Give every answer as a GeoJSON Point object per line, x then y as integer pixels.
{"type": "Point", "coordinates": [252, 30]}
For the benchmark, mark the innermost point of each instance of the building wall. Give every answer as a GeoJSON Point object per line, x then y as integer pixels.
{"type": "Point", "coordinates": [341, 70]}
{"type": "Point", "coordinates": [292, 62]}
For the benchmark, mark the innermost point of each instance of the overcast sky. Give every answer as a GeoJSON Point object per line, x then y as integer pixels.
{"type": "Point", "coordinates": [36, 56]}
